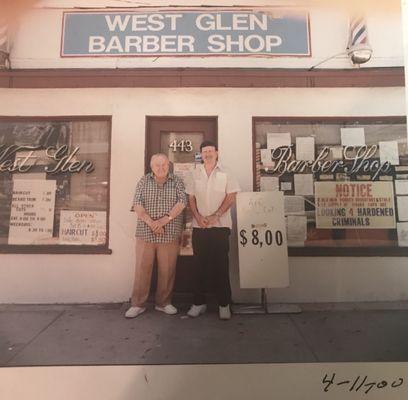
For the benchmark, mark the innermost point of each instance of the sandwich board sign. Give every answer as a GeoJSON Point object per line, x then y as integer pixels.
{"type": "Point", "coordinates": [262, 242]}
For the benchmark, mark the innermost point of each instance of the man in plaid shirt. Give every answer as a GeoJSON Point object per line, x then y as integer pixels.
{"type": "Point", "coordinates": [158, 202]}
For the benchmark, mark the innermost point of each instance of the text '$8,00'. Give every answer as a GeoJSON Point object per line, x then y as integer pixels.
{"type": "Point", "coordinates": [256, 238]}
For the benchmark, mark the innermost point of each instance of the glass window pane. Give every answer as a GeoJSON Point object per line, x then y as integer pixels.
{"type": "Point", "coordinates": [317, 214]}
{"type": "Point", "coordinates": [54, 181]}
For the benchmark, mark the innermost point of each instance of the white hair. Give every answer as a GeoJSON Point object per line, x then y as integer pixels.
{"type": "Point", "coordinates": [158, 155]}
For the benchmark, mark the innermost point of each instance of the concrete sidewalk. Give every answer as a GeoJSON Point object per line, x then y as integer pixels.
{"type": "Point", "coordinates": [99, 334]}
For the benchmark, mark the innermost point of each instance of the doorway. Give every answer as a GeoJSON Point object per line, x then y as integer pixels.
{"type": "Point", "coordinates": [180, 138]}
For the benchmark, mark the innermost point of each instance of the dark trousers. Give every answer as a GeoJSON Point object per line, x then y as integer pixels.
{"type": "Point", "coordinates": [211, 247]}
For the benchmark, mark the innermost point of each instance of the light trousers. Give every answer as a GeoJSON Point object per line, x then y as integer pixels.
{"type": "Point", "coordinates": [146, 253]}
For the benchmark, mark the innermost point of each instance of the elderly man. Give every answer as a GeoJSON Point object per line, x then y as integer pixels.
{"type": "Point", "coordinates": [212, 191]}
{"type": "Point", "coordinates": [158, 202]}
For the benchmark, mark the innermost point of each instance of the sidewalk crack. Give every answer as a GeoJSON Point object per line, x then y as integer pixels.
{"type": "Point", "coordinates": [308, 345]}
{"type": "Point", "coordinates": [34, 338]}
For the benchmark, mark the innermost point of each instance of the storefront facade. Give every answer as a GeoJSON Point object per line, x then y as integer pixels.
{"type": "Point", "coordinates": [107, 107]}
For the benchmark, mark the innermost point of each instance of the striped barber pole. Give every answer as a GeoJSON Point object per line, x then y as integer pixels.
{"type": "Point", "coordinates": [4, 44]}
{"type": "Point", "coordinates": [358, 47]}
{"type": "Point", "coordinates": [358, 35]}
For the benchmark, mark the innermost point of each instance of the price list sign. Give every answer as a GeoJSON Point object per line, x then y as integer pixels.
{"type": "Point", "coordinates": [32, 211]}
{"type": "Point", "coordinates": [262, 244]}
{"type": "Point", "coordinates": [82, 227]}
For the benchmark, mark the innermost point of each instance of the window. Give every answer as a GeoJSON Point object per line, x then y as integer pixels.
{"type": "Point", "coordinates": [54, 184]}
{"type": "Point", "coordinates": [345, 182]}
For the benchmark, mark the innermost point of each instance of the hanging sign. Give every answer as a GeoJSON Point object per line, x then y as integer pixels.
{"type": "Point", "coordinates": [32, 211]}
{"type": "Point", "coordinates": [262, 244]}
{"type": "Point", "coordinates": [269, 31]}
{"type": "Point", "coordinates": [355, 205]}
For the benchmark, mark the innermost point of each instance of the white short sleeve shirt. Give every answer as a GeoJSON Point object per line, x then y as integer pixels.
{"type": "Point", "coordinates": [210, 192]}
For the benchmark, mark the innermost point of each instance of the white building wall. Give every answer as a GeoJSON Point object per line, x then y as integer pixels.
{"type": "Point", "coordinates": [101, 278]}
{"type": "Point", "coordinates": [38, 39]}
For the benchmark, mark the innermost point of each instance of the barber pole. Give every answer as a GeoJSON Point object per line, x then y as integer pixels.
{"type": "Point", "coordinates": [358, 47]}
{"type": "Point", "coordinates": [4, 44]}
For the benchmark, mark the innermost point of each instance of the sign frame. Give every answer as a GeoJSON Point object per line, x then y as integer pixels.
{"type": "Point", "coordinates": [140, 10]}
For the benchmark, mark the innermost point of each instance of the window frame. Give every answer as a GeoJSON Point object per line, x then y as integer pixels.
{"type": "Point", "coordinates": [62, 248]}
{"type": "Point", "coordinates": [330, 251]}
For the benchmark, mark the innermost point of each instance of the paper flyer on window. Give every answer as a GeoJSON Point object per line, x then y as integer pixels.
{"type": "Point", "coordinates": [32, 211]}
{"type": "Point", "coordinates": [82, 227]}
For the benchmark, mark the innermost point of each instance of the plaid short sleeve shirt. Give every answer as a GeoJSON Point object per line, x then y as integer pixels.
{"type": "Point", "coordinates": [158, 200]}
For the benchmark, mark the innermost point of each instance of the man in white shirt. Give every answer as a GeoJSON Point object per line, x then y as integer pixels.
{"type": "Point", "coordinates": [212, 191]}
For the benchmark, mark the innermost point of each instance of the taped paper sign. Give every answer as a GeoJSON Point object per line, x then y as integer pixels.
{"type": "Point", "coordinates": [32, 211]}
{"type": "Point", "coordinates": [355, 205]}
{"type": "Point", "coordinates": [82, 227]}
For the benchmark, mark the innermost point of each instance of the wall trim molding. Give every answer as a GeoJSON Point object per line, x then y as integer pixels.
{"type": "Point", "coordinates": [201, 77]}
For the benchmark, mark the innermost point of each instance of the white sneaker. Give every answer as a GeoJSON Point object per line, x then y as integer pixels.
{"type": "Point", "coordinates": [134, 311]}
{"type": "Point", "coordinates": [195, 311]}
{"type": "Point", "coordinates": [167, 309]}
{"type": "Point", "coordinates": [225, 312]}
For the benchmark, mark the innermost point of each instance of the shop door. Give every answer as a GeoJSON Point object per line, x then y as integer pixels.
{"type": "Point", "coordinates": [180, 138]}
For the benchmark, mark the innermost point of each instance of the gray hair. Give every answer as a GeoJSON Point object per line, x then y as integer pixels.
{"type": "Point", "coordinates": [159, 155]}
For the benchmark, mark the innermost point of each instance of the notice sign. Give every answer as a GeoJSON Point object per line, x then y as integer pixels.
{"type": "Point", "coordinates": [355, 205]}
{"type": "Point", "coordinates": [32, 211]}
{"type": "Point", "coordinates": [183, 171]}
{"type": "Point", "coordinates": [271, 31]}
{"type": "Point", "coordinates": [262, 245]}
{"type": "Point", "coordinates": [82, 227]}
